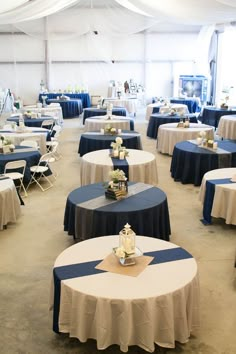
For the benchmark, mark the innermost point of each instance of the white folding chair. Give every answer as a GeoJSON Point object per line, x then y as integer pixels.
{"type": "Point", "coordinates": [38, 172]}
{"type": "Point", "coordinates": [30, 143]}
{"type": "Point", "coordinates": [52, 146]}
{"type": "Point", "coordinates": [16, 171]}
{"type": "Point", "coordinates": [48, 124]}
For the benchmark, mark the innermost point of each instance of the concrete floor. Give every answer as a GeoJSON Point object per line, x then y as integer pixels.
{"type": "Point", "coordinates": [30, 247]}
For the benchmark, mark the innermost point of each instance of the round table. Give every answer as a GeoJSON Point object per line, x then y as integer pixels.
{"type": "Point", "coordinates": [169, 135]}
{"type": "Point", "coordinates": [190, 162]}
{"type": "Point", "coordinates": [139, 166]}
{"type": "Point", "coordinates": [91, 112]}
{"type": "Point", "coordinates": [9, 202]}
{"type": "Point", "coordinates": [92, 141]}
{"type": "Point", "coordinates": [70, 108]}
{"type": "Point", "coordinates": [191, 102]}
{"type": "Point", "coordinates": [53, 110]}
{"type": "Point", "coordinates": [227, 127]}
{"type": "Point", "coordinates": [100, 122]}
{"type": "Point", "coordinates": [212, 115]}
{"type": "Point", "coordinates": [88, 213]}
{"type": "Point", "coordinates": [130, 104]}
{"type": "Point", "coordinates": [83, 96]}
{"type": "Point", "coordinates": [158, 119]}
{"type": "Point", "coordinates": [31, 122]}
{"type": "Point", "coordinates": [218, 195]}
{"type": "Point", "coordinates": [41, 135]}
{"type": "Point", "coordinates": [159, 306]}
{"type": "Point", "coordinates": [31, 155]}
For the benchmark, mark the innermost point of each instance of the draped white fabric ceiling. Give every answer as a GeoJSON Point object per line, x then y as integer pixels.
{"type": "Point", "coordinates": [113, 16]}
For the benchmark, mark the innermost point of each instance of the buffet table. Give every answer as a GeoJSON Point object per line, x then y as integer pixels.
{"type": "Point", "coordinates": [89, 213]}
{"type": "Point", "coordinates": [10, 208]}
{"type": "Point", "coordinates": [139, 166]}
{"type": "Point", "coordinates": [158, 306]}
{"type": "Point", "coordinates": [91, 112]}
{"type": "Point", "coordinates": [100, 122]}
{"type": "Point", "coordinates": [227, 127]}
{"type": "Point", "coordinates": [218, 195]}
{"type": "Point", "coordinates": [190, 162]}
{"type": "Point", "coordinates": [92, 141]}
{"type": "Point", "coordinates": [158, 119]}
{"type": "Point", "coordinates": [169, 135]}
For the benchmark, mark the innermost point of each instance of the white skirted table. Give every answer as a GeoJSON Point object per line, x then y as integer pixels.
{"type": "Point", "coordinates": [218, 195]}
{"type": "Point", "coordinates": [169, 135]}
{"type": "Point", "coordinates": [129, 103]}
{"type": "Point", "coordinates": [10, 208]}
{"type": "Point", "coordinates": [100, 122]}
{"type": "Point", "coordinates": [139, 166]}
{"type": "Point", "coordinates": [227, 127]}
{"type": "Point", "coordinates": [155, 304]}
{"type": "Point", "coordinates": [38, 134]}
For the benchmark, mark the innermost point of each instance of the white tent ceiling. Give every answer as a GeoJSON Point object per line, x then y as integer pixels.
{"type": "Point", "coordinates": [185, 12]}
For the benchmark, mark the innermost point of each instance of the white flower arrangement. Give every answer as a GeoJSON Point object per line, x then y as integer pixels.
{"type": "Point", "coordinates": [117, 175]}
{"type": "Point", "coordinates": [202, 134]}
{"type": "Point", "coordinates": [117, 143]}
{"type": "Point", "coordinates": [5, 141]}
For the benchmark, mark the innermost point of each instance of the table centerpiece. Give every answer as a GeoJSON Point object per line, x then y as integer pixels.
{"type": "Point", "coordinates": [117, 187]}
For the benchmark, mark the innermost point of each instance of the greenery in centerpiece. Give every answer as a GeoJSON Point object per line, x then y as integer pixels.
{"type": "Point", "coordinates": [117, 187]}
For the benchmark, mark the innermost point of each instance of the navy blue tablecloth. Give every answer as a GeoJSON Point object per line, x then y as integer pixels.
{"type": "Point", "coordinates": [92, 112]}
{"type": "Point", "coordinates": [190, 162]}
{"type": "Point", "coordinates": [91, 142]}
{"type": "Point", "coordinates": [70, 108]}
{"type": "Point", "coordinates": [212, 115]}
{"type": "Point", "coordinates": [157, 119]}
{"type": "Point", "coordinates": [192, 103]}
{"type": "Point", "coordinates": [147, 212]}
{"type": "Point", "coordinates": [84, 97]}
{"type": "Point", "coordinates": [30, 122]}
{"type": "Point", "coordinates": [31, 157]}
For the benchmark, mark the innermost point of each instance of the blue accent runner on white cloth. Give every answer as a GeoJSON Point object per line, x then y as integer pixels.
{"type": "Point", "coordinates": [209, 197]}
{"type": "Point", "coordinates": [88, 268]}
{"type": "Point", "coordinates": [121, 165]}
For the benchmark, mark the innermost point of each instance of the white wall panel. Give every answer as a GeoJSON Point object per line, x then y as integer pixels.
{"type": "Point", "coordinates": [171, 46]}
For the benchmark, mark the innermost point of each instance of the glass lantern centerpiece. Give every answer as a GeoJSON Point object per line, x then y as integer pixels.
{"type": "Point", "coordinates": [127, 250]}
{"type": "Point", "coordinates": [127, 240]}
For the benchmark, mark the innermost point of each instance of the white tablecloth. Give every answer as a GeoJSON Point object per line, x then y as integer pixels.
{"type": "Point", "coordinates": [129, 103]}
{"type": "Point", "coordinates": [224, 202]}
{"type": "Point", "coordinates": [9, 202]}
{"type": "Point", "coordinates": [227, 127]}
{"type": "Point", "coordinates": [169, 135]}
{"type": "Point", "coordinates": [98, 122]}
{"type": "Point", "coordinates": [52, 110]}
{"type": "Point", "coordinates": [41, 138]}
{"type": "Point", "coordinates": [160, 305]}
{"type": "Point", "coordinates": [164, 109]}
{"type": "Point", "coordinates": [96, 165]}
